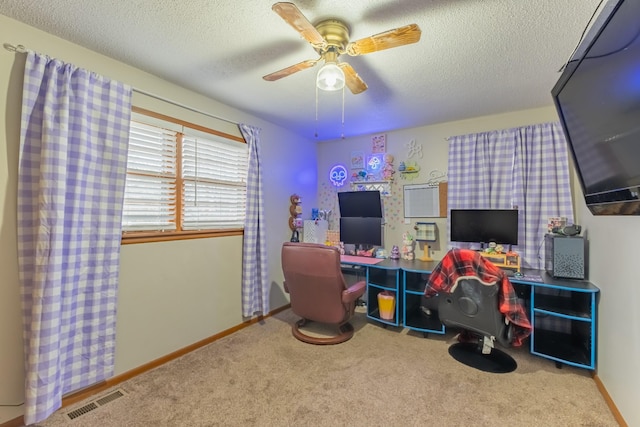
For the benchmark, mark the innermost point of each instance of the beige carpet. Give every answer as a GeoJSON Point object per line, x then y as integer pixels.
{"type": "Point", "coordinates": [262, 376]}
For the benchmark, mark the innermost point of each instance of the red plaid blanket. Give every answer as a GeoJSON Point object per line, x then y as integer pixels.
{"type": "Point", "coordinates": [465, 262]}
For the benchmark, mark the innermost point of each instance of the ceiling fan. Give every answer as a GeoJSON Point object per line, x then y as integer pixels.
{"type": "Point", "coordinates": [330, 38]}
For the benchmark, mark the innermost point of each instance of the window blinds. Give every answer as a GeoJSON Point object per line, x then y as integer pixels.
{"type": "Point", "coordinates": [215, 183]}
{"type": "Point", "coordinates": [199, 175]}
{"type": "Point", "coordinates": [150, 189]}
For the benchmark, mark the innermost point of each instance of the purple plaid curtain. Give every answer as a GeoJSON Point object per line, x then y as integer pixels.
{"type": "Point", "coordinates": [72, 168]}
{"type": "Point", "coordinates": [255, 276]}
{"type": "Point", "coordinates": [526, 167]}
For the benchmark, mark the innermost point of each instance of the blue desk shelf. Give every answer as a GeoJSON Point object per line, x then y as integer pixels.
{"type": "Point", "coordinates": [562, 312]}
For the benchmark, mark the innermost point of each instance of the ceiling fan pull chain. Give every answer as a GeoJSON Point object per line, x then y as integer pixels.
{"type": "Point", "coordinates": [342, 130]}
{"type": "Point", "coordinates": [316, 133]}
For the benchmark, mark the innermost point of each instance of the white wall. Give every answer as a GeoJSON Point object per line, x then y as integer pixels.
{"type": "Point", "coordinates": [172, 294]}
{"type": "Point", "coordinates": [613, 266]}
{"type": "Point", "coordinates": [613, 242]}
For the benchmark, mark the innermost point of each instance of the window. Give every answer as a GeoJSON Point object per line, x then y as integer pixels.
{"type": "Point", "coordinates": [183, 180]}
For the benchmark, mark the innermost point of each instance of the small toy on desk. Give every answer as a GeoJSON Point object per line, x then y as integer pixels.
{"type": "Point", "coordinates": [381, 253]}
{"type": "Point", "coordinates": [368, 253]}
{"type": "Point", "coordinates": [395, 252]}
{"type": "Point", "coordinates": [494, 248]}
{"type": "Point", "coordinates": [407, 247]}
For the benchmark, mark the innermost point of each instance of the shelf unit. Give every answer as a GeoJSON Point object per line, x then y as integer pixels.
{"type": "Point", "coordinates": [564, 326]}
{"type": "Point", "coordinates": [415, 316]}
{"type": "Point", "coordinates": [384, 187]}
{"type": "Point", "coordinates": [380, 279]}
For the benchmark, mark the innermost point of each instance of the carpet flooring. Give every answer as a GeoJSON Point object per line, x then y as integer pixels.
{"type": "Point", "coordinates": [263, 376]}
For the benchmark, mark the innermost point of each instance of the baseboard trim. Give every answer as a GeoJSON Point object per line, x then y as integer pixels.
{"type": "Point", "coordinates": [610, 403]}
{"type": "Point", "coordinates": [104, 385]}
{"type": "Point", "coordinates": [16, 422]}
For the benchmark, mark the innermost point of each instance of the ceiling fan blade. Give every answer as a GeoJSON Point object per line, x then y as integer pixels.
{"type": "Point", "coordinates": [353, 81]}
{"type": "Point", "coordinates": [392, 38]}
{"type": "Point", "coordinates": [292, 15]}
{"type": "Point", "coordinates": [290, 70]}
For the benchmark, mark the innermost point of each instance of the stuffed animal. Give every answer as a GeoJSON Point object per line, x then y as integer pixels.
{"type": "Point", "coordinates": [408, 247]}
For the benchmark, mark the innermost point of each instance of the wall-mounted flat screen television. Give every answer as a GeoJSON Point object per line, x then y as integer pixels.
{"type": "Point", "coordinates": [598, 100]}
{"type": "Point", "coordinates": [484, 226]}
{"type": "Point", "coordinates": [360, 204]}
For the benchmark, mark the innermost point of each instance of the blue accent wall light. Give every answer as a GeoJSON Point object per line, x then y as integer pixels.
{"type": "Point", "coordinates": [338, 175]}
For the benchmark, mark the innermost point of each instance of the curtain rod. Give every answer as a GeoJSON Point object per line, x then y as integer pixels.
{"type": "Point", "coordinates": [186, 107]}
{"type": "Point", "coordinates": [21, 49]}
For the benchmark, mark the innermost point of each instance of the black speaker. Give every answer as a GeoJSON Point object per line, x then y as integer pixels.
{"type": "Point", "coordinates": [565, 256]}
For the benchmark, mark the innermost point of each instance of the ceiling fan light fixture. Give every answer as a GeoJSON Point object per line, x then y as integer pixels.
{"type": "Point", "coordinates": [330, 77]}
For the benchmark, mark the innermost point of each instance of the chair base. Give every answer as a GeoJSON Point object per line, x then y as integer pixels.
{"type": "Point", "coordinates": [497, 362]}
{"type": "Point", "coordinates": [345, 333]}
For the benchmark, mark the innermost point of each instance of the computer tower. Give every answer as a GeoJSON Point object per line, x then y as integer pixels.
{"type": "Point", "coordinates": [565, 256]}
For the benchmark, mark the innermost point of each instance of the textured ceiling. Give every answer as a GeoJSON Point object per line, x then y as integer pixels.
{"type": "Point", "coordinates": [475, 57]}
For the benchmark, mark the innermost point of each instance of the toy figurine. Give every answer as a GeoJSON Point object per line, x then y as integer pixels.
{"type": "Point", "coordinates": [367, 253]}
{"type": "Point", "coordinates": [381, 253]}
{"type": "Point", "coordinates": [395, 252]}
{"type": "Point", "coordinates": [387, 169]}
{"type": "Point", "coordinates": [491, 249]}
{"type": "Point", "coordinates": [407, 247]}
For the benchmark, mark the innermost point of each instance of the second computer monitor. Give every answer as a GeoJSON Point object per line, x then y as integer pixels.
{"type": "Point", "coordinates": [361, 231]}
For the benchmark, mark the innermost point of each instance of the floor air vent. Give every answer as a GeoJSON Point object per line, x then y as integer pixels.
{"type": "Point", "coordinates": [109, 397]}
{"type": "Point", "coordinates": [83, 410]}
{"type": "Point", "coordinates": [95, 404]}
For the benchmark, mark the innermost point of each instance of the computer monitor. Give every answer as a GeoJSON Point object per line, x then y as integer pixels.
{"type": "Point", "coordinates": [361, 231]}
{"type": "Point", "coordinates": [360, 204]}
{"type": "Point", "coordinates": [484, 226]}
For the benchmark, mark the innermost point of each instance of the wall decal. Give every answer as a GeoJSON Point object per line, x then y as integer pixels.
{"type": "Point", "coordinates": [414, 149]}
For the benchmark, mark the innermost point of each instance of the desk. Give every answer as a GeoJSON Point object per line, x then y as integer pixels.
{"type": "Point", "coordinates": [562, 311]}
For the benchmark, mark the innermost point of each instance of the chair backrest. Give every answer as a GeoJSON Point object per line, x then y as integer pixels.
{"type": "Point", "coordinates": [314, 280]}
{"type": "Point", "coordinates": [473, 305]}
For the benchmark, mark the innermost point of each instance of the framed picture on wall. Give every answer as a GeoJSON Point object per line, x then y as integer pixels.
{"type": "Point", "coordinates": [379, 143]}
{"type": "Point", "coordinates": [357, 160]}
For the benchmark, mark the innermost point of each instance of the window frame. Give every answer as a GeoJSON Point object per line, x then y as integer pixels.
{"type": "Point", "coordinates": [129, 237]}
